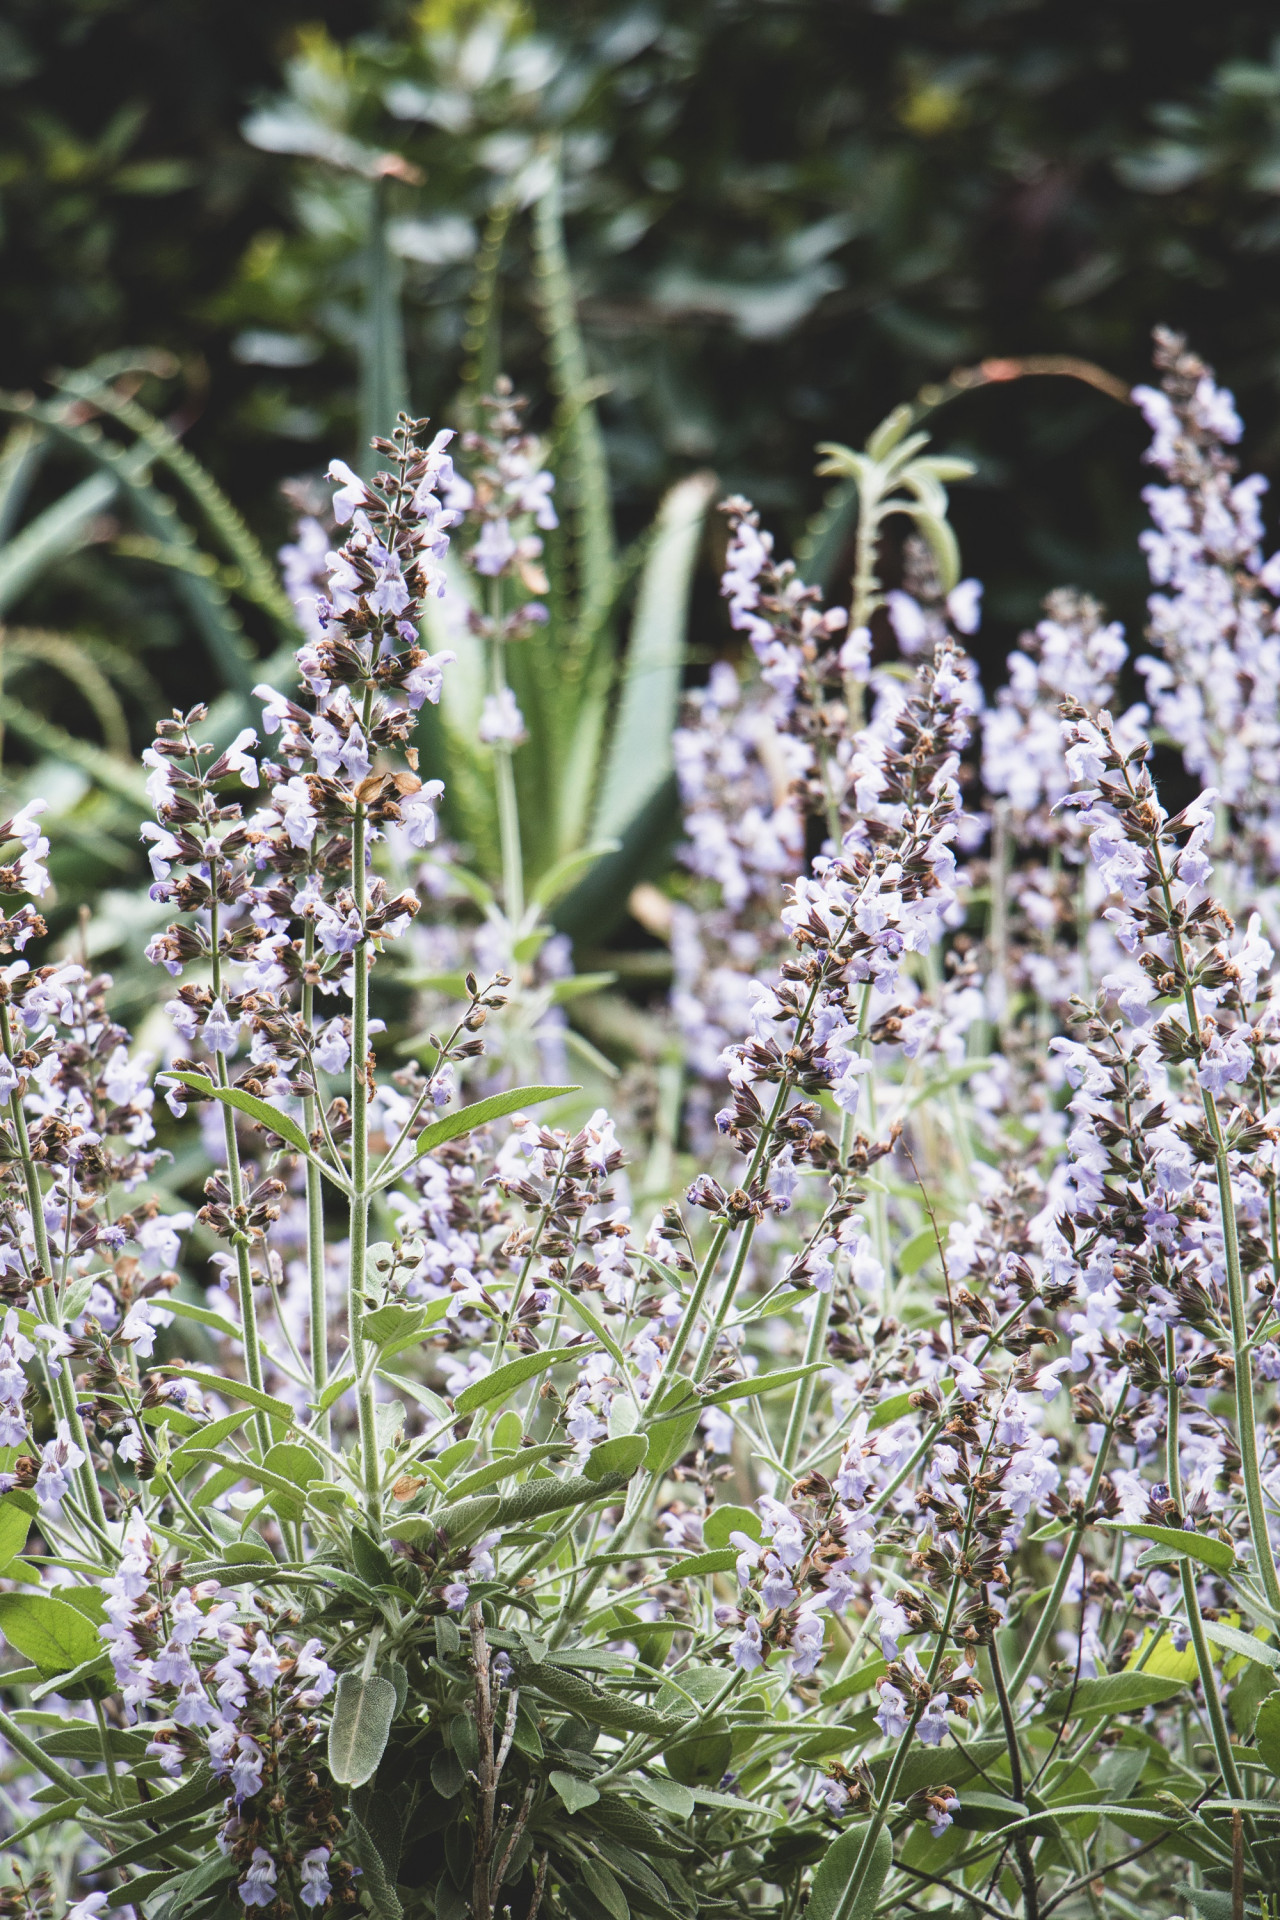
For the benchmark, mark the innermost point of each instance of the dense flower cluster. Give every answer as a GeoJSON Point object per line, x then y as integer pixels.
{"type": "Point", "coordinates": [493, 1559]}
{"type": "Point", "coordinates": [1213, 682]}
{"type": "Point", "coordinates": [207, 1667]}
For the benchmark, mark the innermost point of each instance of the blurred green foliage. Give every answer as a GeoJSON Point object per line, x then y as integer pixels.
{"type": "Point", "coordinates": [780, 219]}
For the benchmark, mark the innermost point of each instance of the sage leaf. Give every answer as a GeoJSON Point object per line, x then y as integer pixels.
{"type": "Point", "coordinates": [496, 1385]}
{"type": "Point", "coordinates": [362, 1714]}
{"type": "Point", "coordinates": [575, 1794]}
{"type": "Point", "coordinates": [49, 1630]}
{"type": "Point", "coordinates": [836, 1894]}
{"type": "Point", "coordinates": [479, 1114]}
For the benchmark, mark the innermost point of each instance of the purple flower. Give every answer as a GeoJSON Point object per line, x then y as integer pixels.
{"type": "Point", "coordinates": [221, 1032]}
{"type": "Point", "coordinates": [892, 1716]}
{"type": "Point", "coordinates": [314, 1890]}
{"type": "Point", "coordinates": [418, 813]}
{"type": "Point", "coordinates": [350, 497]}
{"type": "Point", "coordinates": [426, 680]}
{"type": "Point", "coordinates": [58, 1462]}
{"type": "Point", "coordinates": [312, 1666]}
{"type": "Point", "coordinates": [494, 550]}
{"type": "Point", "coordinates": [942, 1806]}
{"type": "Point", "coordinates": [258, 1888]}
{"type": "Point", "coordinates": [931, 1728]}
{"type": "Point", "coordinates": [893, 1624]}
{"type": "Point", "coordinates": [806, 1646]}
{"type": "Point", "coordinates": [331, 1049]}
{"type": "Point", "coordinates": [246, 1774]}
{"type": "Point", "coordinates": [748, 1648]}
{"type": "Point", "coordinates": [502, 722]}
{"type": "Point", "coordinates": [776, 1589]}
{"type": "Point", "coordinates": [264, 1662]}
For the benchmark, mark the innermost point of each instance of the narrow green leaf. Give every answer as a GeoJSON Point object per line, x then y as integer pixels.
{"type": "Point", "coordinates": [361, 1726]}
{"type": "Point", "coordinates": [402, 1326]}
{"type": "Point", "coordinates": [55, 743]}
{"type": "Point", "coordinates": [15, 1525]}
{"type": "Point", "coordinates": [558, 878]}
{"type": "Point", "coordinates": [588, 490]}
{"type": "Point", "coordinates": [1266, 1731]}
{"type": "Point", "coordinates": [63, 1682]}
{"type": "Point", "coordinates": [912, 1255]}
{"type": "Point", "coordinates": [1210, 1552]}
{"type": "Point", "coordinates": [261, 1111]}
{"type": "Point", "coordinates": [671, 1421]}
{"type": "Point", "coordinates": [719, 1560]}
{"type": "Point", "coordinates": [942, 543]}
{"type": "Point", "coordinates": [860, 1681]}
{"type": "Point", "coordinates": [1114, 1693]}
{"type": "Point", "coordinates": [278, 1410]}
{"type": "Point", "coordinates": [764, 1383]}
{"type": "Point", "coordinates": [625, 1455]}
{"type": "Point", "coordinates": [376, 1882]}
{"type": "Point", "coordinates": [203, 1317]}
{"type": "Point", "coordinates": [183, 1458]}
{"type": "Point", "coordinates": [889, 434]}
{"type": "Point", "coordinates": [340, 1384]}
{"type": "Point", "coordinates": [496, 1470]}
{"type": "Point", "coordinates": [297, 1467]}
{"type": "Point", "coordinates": [480, 1113]}
{"type": "Point", "coordinates": [1243, 1643]}
{"type": "Point", "coordinates": [604, 1886]}
{"type": "Point", "coordinates": [578, 986]}
{"type": "Point", "coordinates": [597, 1705]}
{"type": "Point", "coordinates": [504, 1379]}
{"type": "Point", "coordinates": [54, 534]}
{"type": "Point", "coordinates": [669, 1795]}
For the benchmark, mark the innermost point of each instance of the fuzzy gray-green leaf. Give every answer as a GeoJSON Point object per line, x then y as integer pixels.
{"type": "Point", "coordinates": [362, 1714]}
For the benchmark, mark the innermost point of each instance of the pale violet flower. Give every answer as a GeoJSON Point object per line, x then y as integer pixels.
{"type": "Point", "coordinates": [258, 1888]}
{"type": "Point", "coordinates": [501, 722]}
{"type": "Point", "coordinates": [748, 1648]}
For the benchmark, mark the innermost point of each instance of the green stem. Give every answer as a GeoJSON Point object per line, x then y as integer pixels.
{"type": "Point", "coordinates": [22, 1743]}
{"type": "Point", "coordinates": [1049, 1613]}
{"type": "Point", "coordinates": [1247, 1432]}
{"type": "Point", "coordinates": [61, 1386]}
{"type": "Point", "coordinates": [104, 1743]}
{"type": "Point", "coordinates": [319, 1330]}
{"type": "Point", "coordinates": [815, 1346]}
{"type": "Point", "coordinates": [1190, 1598]}
{"type": "Point", "coordinates": [359, 1209]}
{"type": "Point", "coordinates": [848, 1903]}
{"type": "Point", "coordinates": [235, 1181]}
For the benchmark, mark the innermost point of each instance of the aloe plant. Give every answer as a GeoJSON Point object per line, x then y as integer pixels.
{"type": "Point", "coordinates": [599, 682]}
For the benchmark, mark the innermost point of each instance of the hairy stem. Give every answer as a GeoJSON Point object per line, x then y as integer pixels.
{"type": "Point", "coordinates": [319, 1330]}
{"type": "Point", "coordinates": [359, 1209]}
{"type": "Point", "coordinates": [235, 1182]}
{"type": "Point", "coordinates": [1049, 1613]}
{"type": "Point", "coordinates": [61, 1385]}
{"type": "Point", "coordinates": [1190, 1598]}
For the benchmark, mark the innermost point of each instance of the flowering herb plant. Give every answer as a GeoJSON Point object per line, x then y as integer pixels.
{"type": "Point", "coordinates": [885, 1519]}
